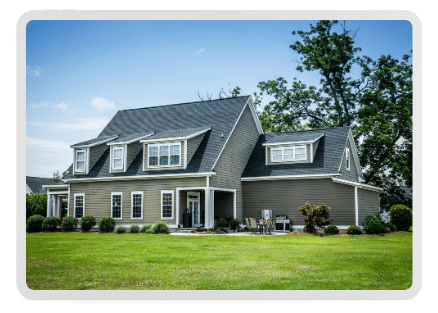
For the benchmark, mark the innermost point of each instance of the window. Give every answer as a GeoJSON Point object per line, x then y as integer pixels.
{"type": "Point", "coordinates": [79, 205]}
{"type": "Point", "coordinates": [167, 204]}
{"type": "Point", "coordinates": [347, 158]}
{"type": "Point", "coordinates": [137, 205]}
{"type": "Point", "coordinates": [80, 160]}
{"type": "Point", "coordinates": [118, 158]}
{"type": "Point", "coordinates": [288, 153]}
{"type": "Point", "coordinates": [164, 155]}
{"type": "Point", "coordinates": [116, 205]}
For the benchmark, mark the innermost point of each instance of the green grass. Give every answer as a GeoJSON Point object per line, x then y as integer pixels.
{"type": "Point", "coordinates": [139, 261]}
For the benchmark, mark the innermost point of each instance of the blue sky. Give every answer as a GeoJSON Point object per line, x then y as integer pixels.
{"type": "Point", "coordinates": [79, 73]}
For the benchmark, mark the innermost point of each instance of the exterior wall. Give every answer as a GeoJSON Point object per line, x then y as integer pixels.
{"type": "Point", "coordinates": [234, 158]}
{"type": "Point", "coordinates": [286, 196]}
{"type": "Point", "coordinates": [369, 203]}
{"type": "Point", "coordinates": [223, 204]}
{"type": "Point", "coordinates": [350, 175]}
{"type": "Point", "coordinates": [315, 147]}
{"type": "Point", "coordinates": [132, 151]}
{"type": "Point", "coordinates": [96, 152]}
{"type": "Point", "coordinates": [98, 197]}
{"type": "Point", "coordinates": [308, 159]}
{"type": "Point", "coordinates": [145, 159]}
{"type": "Point", "coordinates": [192, 146]}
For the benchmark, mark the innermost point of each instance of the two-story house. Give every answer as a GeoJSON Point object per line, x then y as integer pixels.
{"type": "Point", "coordinates": [211, 158]}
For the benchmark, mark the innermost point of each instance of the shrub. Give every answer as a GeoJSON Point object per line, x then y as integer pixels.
{"type": "Point", "coordinates": [222, 222]}
{"type": "Point", "coordinates": [392, 227]}
{"type": "Point", "coordinates": [87, 222]}
{"type": "Point", "coordinates": [401, 216]}
{"type": "Point", "coordinates": [146, 229]}
{"type": "Point", "coordinates": [36, 204]}
{"type": "Point", "coordinates": [410, 229]}
{"type": "Point", "coordinates": [315, 216]}
{"type": "Point", "coordinates": [134, 229]}
{"type": "Point", "coordinates": [200, 229]}
{"type": "Point", "coordinates": [120, 230]}
{"type": "Point", "coordinates": [69, 223]}
{"type": "Point", "coordinates": [373, 225]}
{"type": "Point", "coordinates": [216, 229]}
{"type": "Point", "coordinates": [51, 223]}
{"type": "Point", "coordinates": [107, 224]}
{"type": "Point", "coordinates": [34, 223]}
{"type": "Point", "coordinates": [234, 224]}
{"type": "Point", "coordinates": [224, 229]}
{"type": "Point", "coordinates": [160, 228]}
{"type": "Point", "coordinates": [332, 229]}
{"type": "Point", "coordinates": [354, 230]}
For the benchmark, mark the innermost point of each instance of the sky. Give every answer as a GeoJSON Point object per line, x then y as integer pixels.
{"type": "Point", "coordinates": [79, 73]}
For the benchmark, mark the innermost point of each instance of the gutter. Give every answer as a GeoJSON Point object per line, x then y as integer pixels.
{"type": "Point", "coordinates": [314, 176]}
{"type": "Point", "coordinates": [358, 185]}
{"type": "Point", "coordinates": [162, 176]}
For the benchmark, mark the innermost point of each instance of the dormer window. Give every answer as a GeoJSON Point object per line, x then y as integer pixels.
{"type": "Point", "coordinates": [288, 153]}
{"type": "Point", "coordinates": [80, 160]}
{"type": "Point", "coordinates": [118, 158]}
{"type": "Point", "coordinates": [164, 155]}
{"type": "Point", "coordinates": [347, 158]}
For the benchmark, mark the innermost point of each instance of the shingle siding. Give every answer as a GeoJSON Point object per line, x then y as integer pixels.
{"type": "Point", "coordinates": [351, 174]}
{"type": "Point", "coordinates": [96, 152]}
{"type": "Point", "coordinates": [369, 203]}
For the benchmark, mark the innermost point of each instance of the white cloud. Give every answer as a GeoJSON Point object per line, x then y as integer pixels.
{"type": "Point", "coordinates": [61, 106]}
{"type": "Point", "coordinates": [102, 104]}
{"type": "Point", "coordinates": [199, 52]}
{"type": "Point", "coordinates": [33, 70]}
{"type": "Point", "coordinates": [85, 123]}
{"type": "Point", "coordinates": [47, 146]}
{"type": "Point", "coordinates": [39, 105]}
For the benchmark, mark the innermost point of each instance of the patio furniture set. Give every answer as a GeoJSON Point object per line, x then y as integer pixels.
{"type": "Point", "coordinates": [263, 226]}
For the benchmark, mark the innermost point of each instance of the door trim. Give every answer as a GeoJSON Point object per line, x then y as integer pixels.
{"type": "Point", "coordinates": [198, 194]}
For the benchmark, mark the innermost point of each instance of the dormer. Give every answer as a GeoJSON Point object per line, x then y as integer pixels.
{"type": "Point", "coordinates": [291, 148]}
{"type": "Point", "coordinates": [87, 153]}
{"type": "Point", "coordinates": [172, 149]}
{"type": "Point", "coordinates": [124, 150]}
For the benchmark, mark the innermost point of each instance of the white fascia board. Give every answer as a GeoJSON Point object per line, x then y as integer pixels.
{"type": "Point", "coordinates": [255, 116]}
{"type": "Point", "coordinates": [291, 142]}
{"type": "Point", "coordinates": [359, 185]}
{"type": "Point", "coordinates": [129, 141]}
{"type": "Point", "coordinates": [94, 144]}
{"type": "Point", "coordinates": [176, 138]}
{"type": "Point", "coordinates": [161, 176]}
{"type": "Point", "coordinates": [313, 176]}
{"type": "Point", "coordinates": [55, 186]}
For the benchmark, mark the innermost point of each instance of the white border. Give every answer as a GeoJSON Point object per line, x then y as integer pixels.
{"type": "Point", "coordinates": [132, 204]}
{"type": "Point", "coordinates": [173, 204]}
{"type": "Point", "coordinates": [83, 204]}
{"type": "Point", "coordinates": [117, 193]}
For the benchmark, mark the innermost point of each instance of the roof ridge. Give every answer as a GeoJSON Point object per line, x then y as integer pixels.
{"type": "Point", "coordinates": [167, 105]}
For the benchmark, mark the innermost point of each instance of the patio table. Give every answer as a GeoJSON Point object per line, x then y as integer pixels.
{"type": "Point", "coordinates": [262, 226]}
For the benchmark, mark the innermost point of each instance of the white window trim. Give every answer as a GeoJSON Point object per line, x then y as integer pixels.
{"type": "Point", "coordinates": [121, 205]}
{"type": "Point", "coordinates": [85, 160]}
{"type": "Point", "coordinates": [132, 205]}
{"type": "Point", "coordinates": [282, 148]}
{"type": "Point", "coordinates": [177, 143]}
{"type": "Point", "coordinates": [347, 159]}
{"type": "Point", "coordinates": [122, 158]}
{"type": "Point", "coordinates": [173, 203]}
{"type": "Point", "coordinates": [83, 203]}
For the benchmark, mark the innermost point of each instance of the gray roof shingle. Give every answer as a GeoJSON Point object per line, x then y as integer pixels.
{"type": "Point", "coordinates": [292, 136]}
{"type": "Point", "coordinates": [35, 183]}
{"type": "Point", "coordinates": [93, 141]}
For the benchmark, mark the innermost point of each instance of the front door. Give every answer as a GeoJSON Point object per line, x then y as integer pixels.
{"type": "Point", "coordinates": [194, 204]}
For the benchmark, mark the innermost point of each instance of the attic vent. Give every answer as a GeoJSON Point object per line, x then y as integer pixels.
{"type": "Point", "coordinates": [222, 136]}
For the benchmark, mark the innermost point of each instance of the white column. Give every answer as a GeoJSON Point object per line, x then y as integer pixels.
{"type": "Point", "coordinates": [56, 206]}
{"type": "Point", "coordinates": [235, 205]}
{"type": "Point", "coordinates": [49, 197]}
{"type": "Point", "coordinates": [207, 208]}
{"type": "Point", "coordinates": [356, 204]}
{"type": "Point", "coordinates": [211, 207]}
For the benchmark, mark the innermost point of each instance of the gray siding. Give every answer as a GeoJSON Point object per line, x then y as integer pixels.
{"type": "Point", "coordinates": [369, 203]}
{"type": "Point", "coordinates": [132, 151]}
{"type": "Point", "coordinates": [234, 158]}
{"type": "Point", "coordinates": [315, 147]}
{"type": "Point", "coordinates": [98, 197]}
{"type": "Point", "coordinates": [145, 160]}
{"type": "Point", "coordinates": [192, 146]}
{"type": "Point", "coordinates": [350, 175]}
{"type": "Point", "coordinates": [308, 159]}
{"type": "Point", "coordinates": [96, 152]}
{"type": "Point", "coordinates": [286, 196]}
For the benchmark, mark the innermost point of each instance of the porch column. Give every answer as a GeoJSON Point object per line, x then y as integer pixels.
{"type": "Point", "coordinates": [207, 208]}
{"type": "Point", "coordinates": [212, 207]}
{"type": "Point", "coordinates": [49, 207]}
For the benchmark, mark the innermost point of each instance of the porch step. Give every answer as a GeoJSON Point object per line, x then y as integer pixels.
{"type": "Point", "coordinates": [185, 230]}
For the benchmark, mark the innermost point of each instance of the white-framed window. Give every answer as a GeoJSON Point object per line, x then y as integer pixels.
{"type": "Point", "coordinates": [79, 205]}
{"type": "Point", "coordinates": [80, 160]}
{"type": "Point", "coordinates": [118, 158]}
{"type": "Point", "coordinates": [137, 205]}
{"type": "Point", "coordinates": [288, 153]}
{"type": "Point", "coordinates": [166, 204]}
{"type": "Point", "coordinates": [116, 205]}
{"type": "Point", "coordinates": [164, 155]}
{"type": "Point", "coordinates": [347, 159]}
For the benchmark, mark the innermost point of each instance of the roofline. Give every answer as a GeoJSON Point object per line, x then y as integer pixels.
{"type": "Point", "coordinates": [312, 176]}
{"type": "Point", "coordinates": [360, 185]}
{"type": "Point", "coordinates": [291, 142]}
{"type": "Point", "coordinates": [355, 155]}
{"type": "Point", "coordinates": [95, 143]}
{"type": "Point", "coordinates": [54, 186]}
{"type": "Point", "coordinates": [129, 141]}
{"type": "Point", "coordinates": [161, 176]}
{"type": "Point", "coordinates": [177, 138]}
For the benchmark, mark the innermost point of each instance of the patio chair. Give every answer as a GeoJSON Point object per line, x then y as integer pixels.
{"type": "Point", "coordinates": [270, 225]}
{"type": "Point", "coordinates": [248, 224]}
{"type": "Point", "coordinates": [253, 225]}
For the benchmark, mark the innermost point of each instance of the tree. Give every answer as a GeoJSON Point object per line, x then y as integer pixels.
{"type": "Point", "coordinates": [222, 94]}
{"type": "Point", "coordinates": [57, 177]}
{"type": "Point", "coordinates": [377, 103]}
{"type": "Point", "coordinates": [315, 216]}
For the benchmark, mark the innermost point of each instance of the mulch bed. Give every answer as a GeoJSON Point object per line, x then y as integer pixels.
{"type": "Point", "coordinates": [299, 233]}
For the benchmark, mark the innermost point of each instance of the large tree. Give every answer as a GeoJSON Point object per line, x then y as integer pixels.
{"type": "Point", "coordinates": [377, 103]}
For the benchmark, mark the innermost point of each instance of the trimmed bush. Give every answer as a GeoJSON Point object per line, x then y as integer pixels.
{"type": "Point", "coordinates": [160, 228]}
{"type": "Point", "coordinates": [36, 204]}
{"type": "Point", "coordinates": [146, 229]}
{"type": "Point", "coordinates": [69, 223]}
{"type": "Point", "coordinates": [315, 216]}
{"type": "Point", "coordinates": [134, 229]}
{"type": "Point", "coordinates": [234, 224]}
{"type": "Point", "coordinates": [107, 224]}
{"type": "Point", "coordinates": [120, 230]}
{"type": "Point", "coordinates": [200, 229]}
{"type": "Point", "coordinates": [401, 216]}
{"type": "Point", "coordinates": [332, 230]}
{"type": "Point", "coordinates": [410, 229]}
{"type": "Point", "coordinates": [222, 222]}
{"type": "Point", "coordinates": [373, 225]}
{"type": "Point", "coordinates": [87, 222]}
{"type": "Point", "coordinates": [354, 230]}
{"type": "Point", "coordinates": [34, 223]}
{"type": "Point", "coordinates": [51, 223]}
{"type": "Point", "coordinates": [224, 229]}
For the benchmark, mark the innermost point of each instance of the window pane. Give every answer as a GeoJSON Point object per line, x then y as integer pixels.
{"type": "Point", "coordinates": [276, 152]}
{"type": "Point", "coordinates": [117, 163]}
{"type": "Point", "coordinates": [136, 199]}
{"type": "Point", "coordinates": [288, 151]}
{"type": "Point", "coordinates": [174, 159]}
{"type": "Point", "coordinates": [80, 165]}
{"type": "Point", "coordinates": [277, 157]}
{"type": "Point", "coordinates": [117, 153]}
{"type": "Point", "coordinates": [80, 156]}
{"type": "Point", "coordinates": [164, 155]}
{"type": "Point", "coordinates": [79, 209]}
{"type": "Point", "coordinates": [117, 206]}
{"type": "Point", "coordinates": [300, 151]}
{"type": "Point", "coordinates": [79, 200]}
{"type": "Point", "coordinates": [136, 205]}
{"type": "Point", "coordinates": [300, 156]}
{"type": "Point", "coordinates": [174, 150]}
{"type": "Point", "coordinates": [164, 160]}
{"type": "Point", "coordinates": [153, 160]}
{"type": "Point", "coordinates": [153, 151]}
{"type": "Point", "coordinates": [167, 205]}
{"type": "Point", "coordinates": [288, 157]}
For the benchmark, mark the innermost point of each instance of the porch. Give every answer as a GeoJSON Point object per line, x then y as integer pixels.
{"type": "Point", "coordinates": [204, 205]}
{"type": "Point", "coordinates": [55, 195]}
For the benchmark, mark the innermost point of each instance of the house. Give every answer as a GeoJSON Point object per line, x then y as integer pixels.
{"type": "Point", "coordinates": [211, 158]}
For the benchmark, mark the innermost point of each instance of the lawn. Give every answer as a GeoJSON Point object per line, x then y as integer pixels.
{"type": "Point", "coordinates": [139, 261]}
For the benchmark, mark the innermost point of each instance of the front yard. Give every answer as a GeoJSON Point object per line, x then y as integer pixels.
{"type": "Point", "coordinates": [139, 261]}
